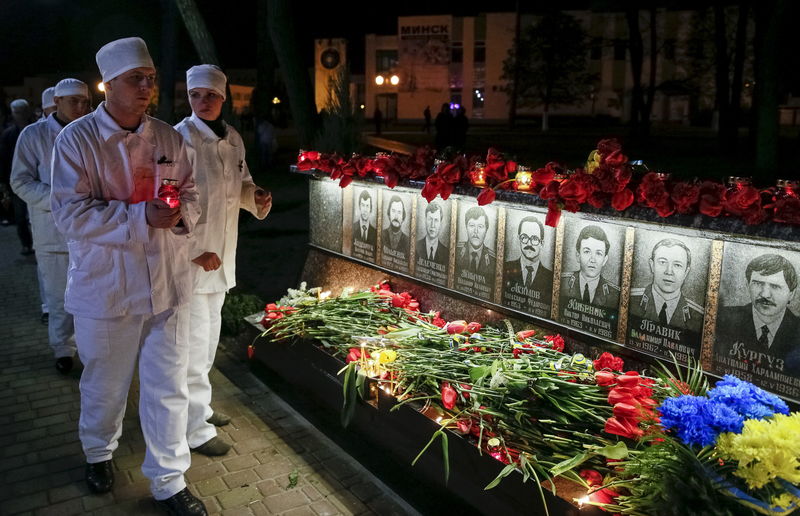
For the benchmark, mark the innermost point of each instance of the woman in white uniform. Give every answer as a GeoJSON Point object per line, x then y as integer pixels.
{"type": "Point", "coordinates": [216, 152]}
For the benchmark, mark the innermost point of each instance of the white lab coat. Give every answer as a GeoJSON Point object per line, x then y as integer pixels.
{"type": "Point", "coordinates": [128, 285]}
{"type": "Point", "coordinates": [30, 180]}
{"type": "Point", "coordinates": [118, 264]}
{"type": "Point", "coordinates": [225, 186]}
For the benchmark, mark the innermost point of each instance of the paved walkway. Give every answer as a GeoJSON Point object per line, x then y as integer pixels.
{"type": "Point", "coordinates": [279, 464]}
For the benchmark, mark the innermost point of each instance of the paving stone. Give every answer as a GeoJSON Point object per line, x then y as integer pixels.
{"type": "Point", "coordinates": [300, 511]}
{"type": "Point", "coordinates": [241, 478]}
{"type": "Point", "coordinates": [346, 502]}
{"type": "Point", "coordinates": [209, 486]}
{"type": "Point", "coordinates": [246, 461]}
{"type": "Point", "coordinates": [24, 503]}
{"type": "Point", "coordinates": [93, 502]}
{"type": "Point", "coordinates": [269, 487]}
{"type": "Point", "coordinates": [325, 508]}
{"type": "Point", "coordinates": [238, 497]}
{"type": "Point", "coordinates": [215, 469]}
{"type": "Point", "coordinates": [284, 501]}
{"type": "Point", "coordinates": [65, 508]}
{"type": "Point", "coordinates": [69, 491]}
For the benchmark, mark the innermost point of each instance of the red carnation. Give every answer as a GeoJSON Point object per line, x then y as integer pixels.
{"type": "Point", "coordinates": [486, 196]}
{"type": "Point", "coordinates": [787, 210]}
{"type": "Point", "coordinates": [544, 175]}
{"type": "Point", "coordinates": [608, 145]}
{"type": "Point", "coordinates": [556, 342]}
{"type": "Point", "coordinates": [553, 213]}
{"type": "Point", "coordinates": [615, 158]}
{"type": "Point", "coordinates": [741, 200]}
{"type": "Point", "coordinates": [685, 196]}
{"type": "Point", "coordinates": [591, 476]}
{"type": "Point", "coordinates": [608, 361]}
{"type": "Point", "coordinates": [622, 199]}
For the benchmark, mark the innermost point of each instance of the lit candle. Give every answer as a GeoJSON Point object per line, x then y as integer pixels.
{"type": "Point", "coordinates": [524, 179]}
{"type": "Point", "coordinates": [478, 174]}
{"type": "Point", "coordinates": [786, 188]}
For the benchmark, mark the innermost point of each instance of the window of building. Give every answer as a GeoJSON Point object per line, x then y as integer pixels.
{"type": "Point", "coordinates": [620, 48]}
{"type": "Point", "coordinates": [477, 98]}
{"type": "Point", "coordinates": [457, 53]}
{"type": "Point", "coordinates": [669, 49]}
{"type": "Point", "coordinates": [596, 51]}
{"type": "Point", "coordinates": [385, 60]}
{"type": "Point", "coordinates": [480, 51]}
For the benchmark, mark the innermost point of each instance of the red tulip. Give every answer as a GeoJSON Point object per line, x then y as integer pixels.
{"type": "Point", "coordinates": [474, 327]}
{"type": "Point", "coordinates": [456, 327]}
{"type": "Point", "coordinates": [625, 410]}
{"type": "Point", "coordinates": [591, 476]}
{"type": "Point", "coordinates": [623, 427]}
{"type": "Point", "coordinates": [449, 396]}
{"type": "Point", "coordinates": [605, 378]}
{"type": "Point", "coordinates": [629, 379]}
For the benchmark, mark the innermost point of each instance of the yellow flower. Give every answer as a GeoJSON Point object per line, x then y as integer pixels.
{"type": "Point", "coordinates": [765, 450]}
{"type": "Point", "coordinates": [387, 356]}
{"type": "Point", "coordinates": [783, 500]}
{"type": "Point", "coordinates": [593, 162]}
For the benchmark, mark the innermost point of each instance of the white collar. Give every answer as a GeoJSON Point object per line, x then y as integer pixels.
{"type": "Point", "coordinates": [109, 127]}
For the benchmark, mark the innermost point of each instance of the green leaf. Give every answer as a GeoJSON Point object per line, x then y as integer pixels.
{"type": "Point", "coordinates": [446, 457]}
{"type": "Point", "coordinates": [503, 474]}
{"type": "Point", "coordinates": [569, 464]}
{"type": "Point", "coordinates": [433, 438]}
{"type": "Point", "coordinates": [349, 391]}
{"type": "Point", "coordinates": [476, 374]}
{"type": "Point", "coordinates": [618, 451]}
{"type": "Point", "coordinates": [293, 476]}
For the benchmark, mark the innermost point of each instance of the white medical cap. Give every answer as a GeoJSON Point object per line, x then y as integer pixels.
{"type": "Point", "coordinates": [206, 76]}
{"type": "Point", "coordinates": [66, 87]}
{"type": "Point", "coordinates": [124, 54]}
{"type": "Point", "coordinates": [47, 98]}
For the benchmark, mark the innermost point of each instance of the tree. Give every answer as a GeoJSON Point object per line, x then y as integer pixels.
{"type": "Point", "coordinates": [642, 106]}
{"type": "Point", "coordinates": [341, 123]}
{"type": "Point", "coordinates": [550, 61]}
{"type": "Point", "coordinates": [729, 87]}
{"type": "Point", "coordinates": [295, 76]}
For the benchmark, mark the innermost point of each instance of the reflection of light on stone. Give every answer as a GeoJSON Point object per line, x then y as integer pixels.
{"type": "Point", "coordinates": [439, 419]}
{"type": "Point", "coordinates": [582, 500]}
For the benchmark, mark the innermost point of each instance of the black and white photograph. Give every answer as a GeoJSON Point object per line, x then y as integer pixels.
{"type": "Point", "coordinates": [528, 264]}
{"type": "Point", "coordinates": [592, 273]}
{"type": "Point", "coordinates": [758, 329]}
{"type": "Point", "coordinates": [365, 223]}
{"type": "Point", "coordinates": [433, 241]}
{"type": "Point", "coordinates": [668, 288]}
{"type": "Point", "coordinates": [476, 258]}
{"type": "Point", "coordinates": [396, 230]}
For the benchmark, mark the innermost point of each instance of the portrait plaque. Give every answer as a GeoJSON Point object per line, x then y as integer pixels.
{"type": "Point", "coordinates": [589, 291]}
{"type": "Point", "coordinates": [757, 335]}
{"type": "Point", "coordinates": [475, 255]}
{"type": "Point", "coordinates": [325, 215]}
{"type": "Point", "coordinates": [667, 296]}
{"type": "Point", "coordinates": [528, 263]}
{"type": "Point", "coordinates": [396, 230]}
{"type": "Point", "coordinates": [365, 220]}
{"type": "Point", "coordinates": [433, 241]}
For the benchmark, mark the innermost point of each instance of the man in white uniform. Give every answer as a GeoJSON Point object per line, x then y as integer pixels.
{"type": "Point", "coordinates": [30, 180]}
{"type": "Point", "coordinates": [216, 152]}
{"type": "Point", "coordinates": [129, 279]}
{"type": "Point", "coordinates": [48, 107]}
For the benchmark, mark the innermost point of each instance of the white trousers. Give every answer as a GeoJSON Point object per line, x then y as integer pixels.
{"type": "Point", "coordinates": [108, 349]}
{"type": "Point", "coordinates": [206, 318]}
{"type": "Point", "coordinates": [41, 285]}
{"type": "Point", "coordinates": [60, 329]}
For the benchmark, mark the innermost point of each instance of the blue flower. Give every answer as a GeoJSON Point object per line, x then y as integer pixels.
{"type": "Point", "coordinates": [698, 420]}
{"type": "Point", "coordinates": [747, 399]}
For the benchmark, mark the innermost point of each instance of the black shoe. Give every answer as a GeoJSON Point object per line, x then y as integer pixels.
{"type": "Point", "coordinates": [45, 318]}
{"type": "Point", "coordinates": [214, 447]}
{"type": "Point", "coordinates": [64, 365]}
{"type": "Point", "coordinates": [26, 251]}
{"type": "Point", "coordinates": [100, 477]}
{"type": "Point", "coordinates": [218, 419]}
{"type": "Point", "coordinates": [183, 503]}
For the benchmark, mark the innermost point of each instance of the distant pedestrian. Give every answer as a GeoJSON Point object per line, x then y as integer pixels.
{"type": "Point", "coordinates": [460, 127]}
{"type": "Point", "coordinates": [22, 116]}
{"type": "Point", "coordinates": [48, 102]}
{"type": "Point", "coordinates": [427, 115]}
{"type": "Point", "coordinates": [444, 127]}
{"type": "Point", "coordinates": [30, 179]}
{"type": "Point", "coordinates": [377, 117]}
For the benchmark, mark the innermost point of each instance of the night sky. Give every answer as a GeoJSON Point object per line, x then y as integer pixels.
{"type": "Point", "coordinates": [62, 36]}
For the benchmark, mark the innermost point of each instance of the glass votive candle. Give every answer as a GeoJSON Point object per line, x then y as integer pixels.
{"type": "Point", "coordinates": [523, 181]}
{"type": "Point", "coordinates": [478, 174]}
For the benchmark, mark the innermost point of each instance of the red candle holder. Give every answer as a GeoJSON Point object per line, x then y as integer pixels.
{"type": "Point", "coordinates": [478, 174]}
{"type": "Point", "coordinates": [169, 193]}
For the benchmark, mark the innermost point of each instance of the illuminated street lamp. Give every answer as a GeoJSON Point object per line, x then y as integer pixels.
{"type": "Point", "coordinates": [395, 80]}
{"type": "Point", "coordinates": [101, 87]}
{"type": "Point", "coordinates": [276, 100]}
{"type": "Point", "coordinates": [379, 80]}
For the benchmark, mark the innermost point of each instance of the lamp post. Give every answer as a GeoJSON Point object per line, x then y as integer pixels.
{"type": "Point", "coordinates": [386, 80]}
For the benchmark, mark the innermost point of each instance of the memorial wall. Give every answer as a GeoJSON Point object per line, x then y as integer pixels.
{"type": "Point", "coordinates": [725, 299]}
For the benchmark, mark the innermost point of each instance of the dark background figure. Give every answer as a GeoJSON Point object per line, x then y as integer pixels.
{"type": "Point", "coordinates": [460, 127]}
{"type": "Point", "coordinates": [22, 116]}
{"type": "Point", "coordinates": [427, 115]}
{"type": "Point", "coordinates": [377, 117]}
{"type": "Point", "coordinates": [266, 142]}
{"type": "Point", "coordinates": [444, 127]}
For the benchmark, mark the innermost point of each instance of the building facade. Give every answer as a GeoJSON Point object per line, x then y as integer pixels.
{"type": "Point", "coordinates": [459, 60]}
